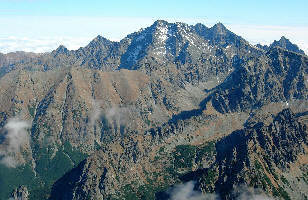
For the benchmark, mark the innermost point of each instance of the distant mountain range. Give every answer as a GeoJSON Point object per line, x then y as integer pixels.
{"type": "Point", "coordinates": [161, 36]}
{"type": "Point", "coordinates": [171, 110]}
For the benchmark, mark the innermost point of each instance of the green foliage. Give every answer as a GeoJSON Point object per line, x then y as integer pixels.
{"type": "Point", "coordinates": [264, 185]}
{"type": "Point", "coordinates": [262, 177]}
{"type": "Point", "coordinates": [170, 172]}
{"type": "Point", "coordinates": [161, 150]}
{"type": "Point", "coordinates": [267, 180]}
{"type": "Point", "coordinates": [283, 194]}
{"type": "Point", "coordinates": [76, 114]}
{"type": "Point", "coordinates": [148, 122]}
{"type": "Point", "coordinates": [275, 192]}
{"type": "Point", "coordinates": [146, 192]}
{"type": "Point", "coordinates": [284, 180]}
{"type": "Point", "coordinates": [49, 168]}
{"type": "Point", "coordinates": [97, 146]}
{"type": "Point", "coordinates": [10, 178]}
{"type": "Point", "coordinates": [210, 177]}
{"type": "Point", "coordinates": [275, 175]}
{"type": "Point", "coordinates": [184, 155]}
{"type": "Point", "coordinates": [40, 192]}
{"type": "Point", "coordinates": [258, 165]}
{"type": "Point", "coordinates": [129, 193]}
{"type": "Point", "coordinates": [305, 177]}
{"type": "Point", "coordinates": [31, 110]}
{"type": "Point", "coordinates": [267, 184]}
{"type": "Point", "coordinates": [75, 155]}
{"type": "Point", "coordinates": [160, 153]}
{"type": "Point", "coordinates": [208, 148]}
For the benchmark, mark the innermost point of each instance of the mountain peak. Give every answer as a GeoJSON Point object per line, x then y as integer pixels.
{"type": "Point", "coordinates": [161, 28]}
{"type": "Point", "coordinates": [286, 44]}
{"type": "Point", "coordinates": [60, 50]}
{"type": "Point", "coordinates": [99, 41]}
{"type": "Point", "coordinates": [220, 24]}
{"type": "Point", "coordinates": [201, 28]}
{"type": "Point", "coordinates": [283, 38]}
{"type": "Point", "coordinates": [100, 38]}
{"type": "Point", "coordinates": [160, 22]}
{"type": "Point", "coordinates": [219, 28]}
{"type": "Point", "coordinates": [200, 25]}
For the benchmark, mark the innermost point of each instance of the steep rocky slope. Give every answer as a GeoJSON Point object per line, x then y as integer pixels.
{"type": "Point", "coordinates": [277, 76]}
{"type": "Point", "coordinates": [167, 104]}
{"type": "Point", "coordinates": [283, 43]}
{"type": "Point", "coordinates": [263, 156]}
{"type": "Point", "coordinates": [10, 60]}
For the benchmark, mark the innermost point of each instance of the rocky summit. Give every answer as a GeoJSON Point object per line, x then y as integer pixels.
{"type": "Point", "coordinates": [173, 111]}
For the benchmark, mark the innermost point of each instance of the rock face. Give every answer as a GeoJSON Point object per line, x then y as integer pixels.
{"type": "Point", "coordinates": [169, 104]}
{"type": "Point", "coordinates": [286, 44]}
{"type": "Point", "coordinates": [9, 61]}
{"type": "Point", "coordinates": [260, 156]}
{"type": "Point", "coordinates": [20, 193]}
{"type": "Point", "coordinates": [270, 78]}
{"type": "Point", "coordinates": [282, 43]}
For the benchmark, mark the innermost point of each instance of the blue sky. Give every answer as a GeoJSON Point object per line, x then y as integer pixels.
{"type": "Point", "coordinates": [279, 12]}
{"type": "Point", "coordinates": [48, 23]}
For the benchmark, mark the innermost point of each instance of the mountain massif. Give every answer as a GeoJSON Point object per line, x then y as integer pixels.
{"type": "Point", "coordinates": [173, 111]}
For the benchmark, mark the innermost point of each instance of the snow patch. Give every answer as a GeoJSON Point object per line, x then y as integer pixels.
{"type": "Point", "coordinates": [163, 33]}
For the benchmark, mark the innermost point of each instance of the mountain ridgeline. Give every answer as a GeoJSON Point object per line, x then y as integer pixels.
{"type": "Point", "coordinates": [283, 43]}
{"type": "Point", "coordinates": [170, 110]}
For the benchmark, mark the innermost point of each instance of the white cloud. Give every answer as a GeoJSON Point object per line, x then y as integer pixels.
{"type": "Point", "coordinates": [186, 191]}
{"type": "Point", "coordinates": [96, 111]}
{"type": "Point", "coordinates": [40, 44]}
{"type": "Point", "coordinates": [43, 34]}
{"type": "Point", "coordinates": [8, 161]}
{"type": "Point", "coordinates": [244, 193]}
{"type": "Point", "coordinates": [15, 137]}
{"type": "Point", "coordinates": [267, 34]}
{"type": "Point", "coordinates": [121, 115]}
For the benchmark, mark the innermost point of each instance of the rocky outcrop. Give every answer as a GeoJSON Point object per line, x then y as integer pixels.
{"type": "Point", "coordinates": [20, 193]}
{"type": "Point", "coordinates": [282, 43]}
{"type": "Point", "coordinates": [278, 76]}
{"type": "Point", "coordinates": [255, 155]}
{"type": "Point", "coordinates": [286, 44]}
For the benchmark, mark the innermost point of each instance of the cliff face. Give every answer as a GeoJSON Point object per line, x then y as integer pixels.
{"type": "Point", "coordinates": [277, 76]}
{"type": "Point", "coordinates": [20, 193]}
{"type": "Point", "coordinates": [282, 43]}
{"type": "Point", "coordinates": [168, 104]}
{"type": "Point", "coordinates": [262, 157]}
